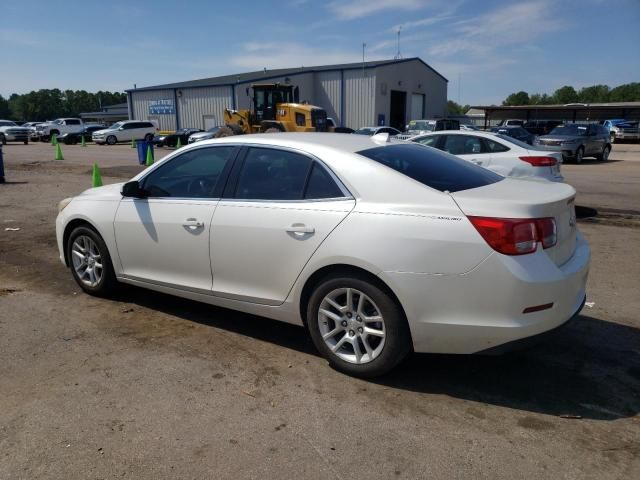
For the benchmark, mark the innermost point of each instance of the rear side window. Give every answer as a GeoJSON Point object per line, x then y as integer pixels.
{"type": "Point", "coordinates": [321, 185]}
{"type": "Point", "coordinates": [271, 174]}
{"type": "Point", "coordinates": [432, 168]}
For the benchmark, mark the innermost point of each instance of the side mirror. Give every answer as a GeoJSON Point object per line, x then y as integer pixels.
{"type": "Point", "coordinates": [132, 190]}
{"type": "Point", "coordinates": [121, 128]}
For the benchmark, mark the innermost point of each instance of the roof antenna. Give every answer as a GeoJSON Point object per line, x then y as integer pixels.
{"type": "Point", "coordinates": [398, 55]}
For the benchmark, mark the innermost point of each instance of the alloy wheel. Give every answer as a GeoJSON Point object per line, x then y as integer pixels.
{"type": "Point", "coordinates": [87, 260]}
{"type": "Point", "coordinates": [351, 325]}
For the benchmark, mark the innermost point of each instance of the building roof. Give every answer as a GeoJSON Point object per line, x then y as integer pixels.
{"type": "Point", "coordinates": [227, 80]}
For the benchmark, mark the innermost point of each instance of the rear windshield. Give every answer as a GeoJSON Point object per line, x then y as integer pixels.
{"type": "Point", "coordinates": [433, 168]}
{"type": "Point", "coordinates": [421, 125]}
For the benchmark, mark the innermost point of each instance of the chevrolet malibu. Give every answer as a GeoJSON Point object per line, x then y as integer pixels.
{"type": "Point", "coordinates": [376, 247]}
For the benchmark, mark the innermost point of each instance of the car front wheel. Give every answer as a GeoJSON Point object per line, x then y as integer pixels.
{"type": "Point", "coordinates": [604, 156]}
{"type": "Point", "coordinates": [112, 140]}
{"type": "Point", "coordinates": [357, 326]}
{"type": "Point", "coordinates": [90, 262]}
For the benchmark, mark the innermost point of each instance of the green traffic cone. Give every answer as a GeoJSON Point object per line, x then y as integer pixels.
{"type": "Point", "coordinates": [59, 152]}
{"type": "Point", "coordinates": [54, 139]}
{"type": "Point", "coordinates": [178, 143]}
{"type": "Point", "coordinates": [82, 141]}
{"type": "Point", "coordinates": [149, 161]}
{"type": "Point", "coordinates": [133, 143]}
{"type": "Point", "coordinates": [96, 178]}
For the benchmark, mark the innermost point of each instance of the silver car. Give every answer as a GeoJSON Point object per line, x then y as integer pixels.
{"type": "Point", "coordinates": [576, 141]}
{"type": "Point", "coordinates": [208, 135]}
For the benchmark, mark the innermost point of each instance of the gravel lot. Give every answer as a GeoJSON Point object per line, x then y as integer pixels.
{"type": "Point", "coordinates": [151, 386]}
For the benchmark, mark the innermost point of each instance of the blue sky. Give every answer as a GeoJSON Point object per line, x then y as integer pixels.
{"type": "Point", "coordinates": [493, 47]}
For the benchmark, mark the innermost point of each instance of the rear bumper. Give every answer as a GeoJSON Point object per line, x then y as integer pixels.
{"type": "Point", "coordinates": [483, 308]}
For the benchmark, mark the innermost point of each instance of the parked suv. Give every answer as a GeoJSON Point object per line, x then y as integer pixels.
{"type": "Point", "coordinates": [577, 141]}
{"type": "Point", "coordinates": [622, 129]}
{"type": "Point", "coordinates": [511, 123]}
{"type": "Point", "coordinates": [11, 132]}
{"type": "Point", "coordinates": [541, 127]}
{"type": "Point", "coordinates": [125, 132]}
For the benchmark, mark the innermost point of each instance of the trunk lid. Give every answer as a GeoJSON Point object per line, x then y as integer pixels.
{"type": "Point", "coordinates": [519, 198]}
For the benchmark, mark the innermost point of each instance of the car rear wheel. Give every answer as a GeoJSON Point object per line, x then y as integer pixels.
{"type": "Point", "coordinates": [357, 326]}
{"type": "Point", "coordinates": [148, 137]}
{"type": "Point", "coordinates": [112, 140]}
{"type": "Point", "coordinates": [579, 155]}
{"type": "Point", "coordinates": [604, 156]}
{"type": "Point", "coordinates": [90, 262]}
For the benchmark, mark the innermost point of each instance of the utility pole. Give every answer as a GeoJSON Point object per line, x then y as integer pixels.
{"type": "Point", "coordinates": [398, 55]}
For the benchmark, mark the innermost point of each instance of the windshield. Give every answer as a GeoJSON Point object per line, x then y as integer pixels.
{"type": "Point", "coordinates": [433, 168]}
{"type": "Point", "coordinates": [364, 131]}
{"type": "Point", "coordinates": [116, 125]}
{"type": "Point", "coordinates": [7, 123]}
{"type": "Point", "coordinates": [572, 130]}
{"type": "Point", "coordinates": [421, 125]}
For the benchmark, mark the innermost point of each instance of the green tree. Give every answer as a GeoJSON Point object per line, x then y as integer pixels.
{"type": "Point", "coordinates": [594, 94]}
{"type": "Point", "coordinates": [564, 95]}
{"type": "Point", "coordinates": [454, 108]}
{"type": "Point", "coordinates": [4, 108]}
{"type": "Point", "coordinates": [629, 92]}
{"type": "Point", "coordinates": [519, 98]}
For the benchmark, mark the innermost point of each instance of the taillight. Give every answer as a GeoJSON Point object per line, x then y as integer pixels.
{"type": "Point", "coordinates": [516, 236]}
{"type": "Point", "coordinates": [540, 161]}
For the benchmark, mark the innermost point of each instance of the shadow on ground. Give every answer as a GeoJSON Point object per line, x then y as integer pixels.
{"type": "Point", "coordinates": [590, 368]}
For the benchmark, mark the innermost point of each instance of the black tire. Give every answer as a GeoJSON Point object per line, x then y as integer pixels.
{"type": "Point", "coordinates": [3, 139]}
{"type": "Point", "coordinates": [111, 140]}
{"type": "Point", "coordinates": [579, 155]}
{"type": "Point", "coordinates": [108, 282]}
{"type": "Point", "coordinates": [148, 137]}
{"type": "Point", "coordinates": [613, 138]}
{"type": "Point", "coordinates": [604, 156]}
{"type": "Point", "coordinates": [397, 342]}
{"type": "Point", "coordinates": [224, 132]}
{"type": "Point", "coordinates": [26, 142]}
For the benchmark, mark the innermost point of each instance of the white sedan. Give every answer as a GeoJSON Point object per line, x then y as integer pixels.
{"type": "Point", "coordinates": [378, 248]}
{"type": "Point", "coordinates": [500, 153]}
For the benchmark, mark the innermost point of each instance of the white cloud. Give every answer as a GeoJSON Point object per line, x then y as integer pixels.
{"type": "Point", "coordinates": [352, 9]}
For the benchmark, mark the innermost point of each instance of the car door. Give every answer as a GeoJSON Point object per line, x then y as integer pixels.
{"type": "Point", "coordinates": [595, 140]}
{"type": "Point", "coordinates": [279, 207]}
{"type": "Point", "coordinates": [164, 238]}
{"type": "Point", "coordinates": [467, 147]}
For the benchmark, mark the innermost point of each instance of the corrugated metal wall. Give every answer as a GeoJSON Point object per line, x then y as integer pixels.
{"type": "Point", "coordinates": [328, 89]}
{"type": "Point", "coordinates": [359, 99]}
{"type": "Point", "coordinates": [140, 107]}
{"type": "Point", "coordinates": [195, 103]}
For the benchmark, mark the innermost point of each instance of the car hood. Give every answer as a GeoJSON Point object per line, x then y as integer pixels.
{"type": "Point", "coordinates": [105, 130]}
{"type": "Point", "coordinates": [15, 128]}
{"type": "Point", "coordinates": [562, 138]}
{"type": "Point", "coordinates": [111, 191]}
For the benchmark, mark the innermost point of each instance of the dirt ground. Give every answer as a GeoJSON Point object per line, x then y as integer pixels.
{"type": "Point", "coordinates": [149, 386]}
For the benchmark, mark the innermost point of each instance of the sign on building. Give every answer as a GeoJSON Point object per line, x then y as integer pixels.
{"type": "Point", "coordinates": [161, 107]}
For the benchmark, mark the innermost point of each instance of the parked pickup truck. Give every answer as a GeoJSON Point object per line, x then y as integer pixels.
{"type": "Point", "coordinates": [58, 127]}
{"type": "Point", "coordinates": [11, 132]}
{"type": "Point", "coordinates": [622, 129]}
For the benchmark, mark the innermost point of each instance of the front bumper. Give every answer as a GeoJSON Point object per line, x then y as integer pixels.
{"type": "Point", "coordinates": [627, 136]}
{"type": "Point", "coordinates": [483, 308]}
{"type": "Point", "coordinates": [16, 137]}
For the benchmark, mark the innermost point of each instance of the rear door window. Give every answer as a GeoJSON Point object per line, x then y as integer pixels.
{"type": "Point", "coordinates": [273, 174]}
{"type": "Point", "coordinates": [433, 168]}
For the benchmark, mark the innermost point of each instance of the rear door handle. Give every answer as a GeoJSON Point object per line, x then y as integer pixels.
{"type": "Point", "coordinates": [193, 223]}
{"type": "Point", "coordinates": [297, 228]}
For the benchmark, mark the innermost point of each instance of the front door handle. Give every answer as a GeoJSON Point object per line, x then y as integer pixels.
{"type": "Point", "coordinates": [193, 223]}
{"type": "Point", "coordinates": [300, 228]}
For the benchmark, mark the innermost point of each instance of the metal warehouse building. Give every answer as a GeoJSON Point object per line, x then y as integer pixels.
{"type": "Point", "coordinates": [388, 92]}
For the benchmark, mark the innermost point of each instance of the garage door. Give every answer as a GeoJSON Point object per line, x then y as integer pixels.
{"type": "Point", "coordinates": [417, 106]}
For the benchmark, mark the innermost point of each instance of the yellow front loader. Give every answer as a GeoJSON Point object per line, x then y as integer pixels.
{"type": "Point", "coordinates": [275, 107]}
